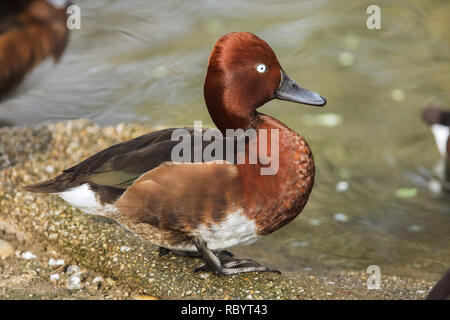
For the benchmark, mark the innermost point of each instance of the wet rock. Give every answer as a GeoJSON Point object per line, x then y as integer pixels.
{"type": "Point", "coordinates": [99, 245]}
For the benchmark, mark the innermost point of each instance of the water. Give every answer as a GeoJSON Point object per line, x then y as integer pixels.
{"type": "Point", "coordinates": [145, 61]}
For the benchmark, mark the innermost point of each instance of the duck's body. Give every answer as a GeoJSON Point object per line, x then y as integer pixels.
{"type": "Point", "coordinates": [31, 31]}
{"type": "Point", "coordinates": [203, 206]}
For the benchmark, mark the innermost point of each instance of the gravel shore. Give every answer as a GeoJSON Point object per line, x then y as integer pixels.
{"type": "Point", "coordinates": [61, 253]}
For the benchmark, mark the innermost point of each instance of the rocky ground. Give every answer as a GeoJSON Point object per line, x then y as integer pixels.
{"type": "Point", "coordinates": [49, 250]}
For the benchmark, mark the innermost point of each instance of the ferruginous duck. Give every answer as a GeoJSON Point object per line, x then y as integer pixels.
{"type": "Point", "coordinates": [30, 32]}
{"type": "Point", "coordinates": [200, 208]}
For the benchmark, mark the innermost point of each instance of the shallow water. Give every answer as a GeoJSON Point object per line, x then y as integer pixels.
{"type": "Point", "coordinates": [144, 61]}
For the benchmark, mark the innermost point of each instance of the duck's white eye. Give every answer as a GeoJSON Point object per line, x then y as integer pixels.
{"type": "Point", "coordinates": [261, 68]}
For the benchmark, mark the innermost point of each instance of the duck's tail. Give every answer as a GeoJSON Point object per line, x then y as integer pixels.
{"type": "Point", "coordinates": [55, 185]}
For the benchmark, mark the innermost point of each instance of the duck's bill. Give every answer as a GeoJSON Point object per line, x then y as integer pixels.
{"type": "Point", "coordinates": [289, 90]}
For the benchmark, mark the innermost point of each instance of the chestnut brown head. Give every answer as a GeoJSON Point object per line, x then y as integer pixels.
{"type": "Point", "coordinates": [243, 74]}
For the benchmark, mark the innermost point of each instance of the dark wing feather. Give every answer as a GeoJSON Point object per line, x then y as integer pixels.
{"type": "Point", "coordinates": [117, 166]}
{"type": "Point", "coordinates": [117, 157]}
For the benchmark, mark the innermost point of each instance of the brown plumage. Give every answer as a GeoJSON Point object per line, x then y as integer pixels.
{"type": "Point", "coordinates": [30, 31]}
{"type": "Point", "coordinates": [199, 207]}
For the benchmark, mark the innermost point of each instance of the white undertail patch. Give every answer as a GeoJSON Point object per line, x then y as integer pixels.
{"type": "Point", "coordinates": [83, 198]}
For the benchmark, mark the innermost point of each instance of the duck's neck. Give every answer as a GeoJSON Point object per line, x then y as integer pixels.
{"type": "Point", "coordinates": [231, 117]}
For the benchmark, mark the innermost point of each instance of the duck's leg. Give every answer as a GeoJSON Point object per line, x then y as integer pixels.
{"type": "Point", "coordinates": [163, 251]}
{"type": "Point", "coordinates": [193, 254]}
{"type": "Point", "coordinates": [225, 264]}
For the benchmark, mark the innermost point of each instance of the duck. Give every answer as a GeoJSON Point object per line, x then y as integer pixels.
{"type": "Point", "coordinates": [30, 32]}
{"type": "Point", "coordinates": [201, 208]}
{"type": "Point", "coordinates": [441, 290]}
{"type": "Point", "coordinates": [438, 119]}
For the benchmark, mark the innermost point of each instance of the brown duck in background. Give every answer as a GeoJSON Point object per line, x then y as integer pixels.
{"type": "Point", "coordinates": [30, 32]}
{"type": "Point", "coordinates": [441, 290]}
{"type": "Point", "coordinates": [438, 119]}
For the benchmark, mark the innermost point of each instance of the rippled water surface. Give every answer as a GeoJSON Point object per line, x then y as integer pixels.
{"type": "Point", "coordinates": [144, 61]}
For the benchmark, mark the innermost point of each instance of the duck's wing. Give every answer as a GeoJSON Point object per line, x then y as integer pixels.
{"type": "Point", "coordinates": [119, 165]}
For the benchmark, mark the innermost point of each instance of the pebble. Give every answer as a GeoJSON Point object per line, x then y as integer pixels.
{"type": "Point", "coordinates": [53, 236]}
{"type": "Point", "coordinates": [98, 279]}
{"type": "Point", "coordinates": [74, 282]}
{"type": "Point", "coordinates": [54, 277]}
{"type": "Point", "coordinates": [28, 255]}
{"type": "Point", "coordinates": [124, 249]}
{"type": "Point", "coordinates": [73, 269]}
{"type": "Point", "coordinates": [49, 169]}
{"type": "Point", "coordinates": [6, 249]}
{"type": "Point", "coordinates": [53, 263]}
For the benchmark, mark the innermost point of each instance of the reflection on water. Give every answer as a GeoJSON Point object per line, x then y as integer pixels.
{"type": "Point", "coordinates": [144, 61]}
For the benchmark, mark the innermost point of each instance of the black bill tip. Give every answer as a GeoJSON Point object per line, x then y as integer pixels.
{"type": "Point", "coordinates": [289, 90]}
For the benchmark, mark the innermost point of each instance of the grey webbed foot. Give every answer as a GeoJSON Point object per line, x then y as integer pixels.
{"type": "Point", "coordinates": [226, 264]}
{"type": "Point", "coordinates": [163, 251]}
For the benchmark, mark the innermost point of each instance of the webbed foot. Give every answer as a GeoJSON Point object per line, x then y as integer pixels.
{"type": "Point", "coordinates": [224, 264]}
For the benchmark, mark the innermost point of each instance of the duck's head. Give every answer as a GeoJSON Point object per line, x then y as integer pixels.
{"type": "Point", "coordinates": [243, 74]}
